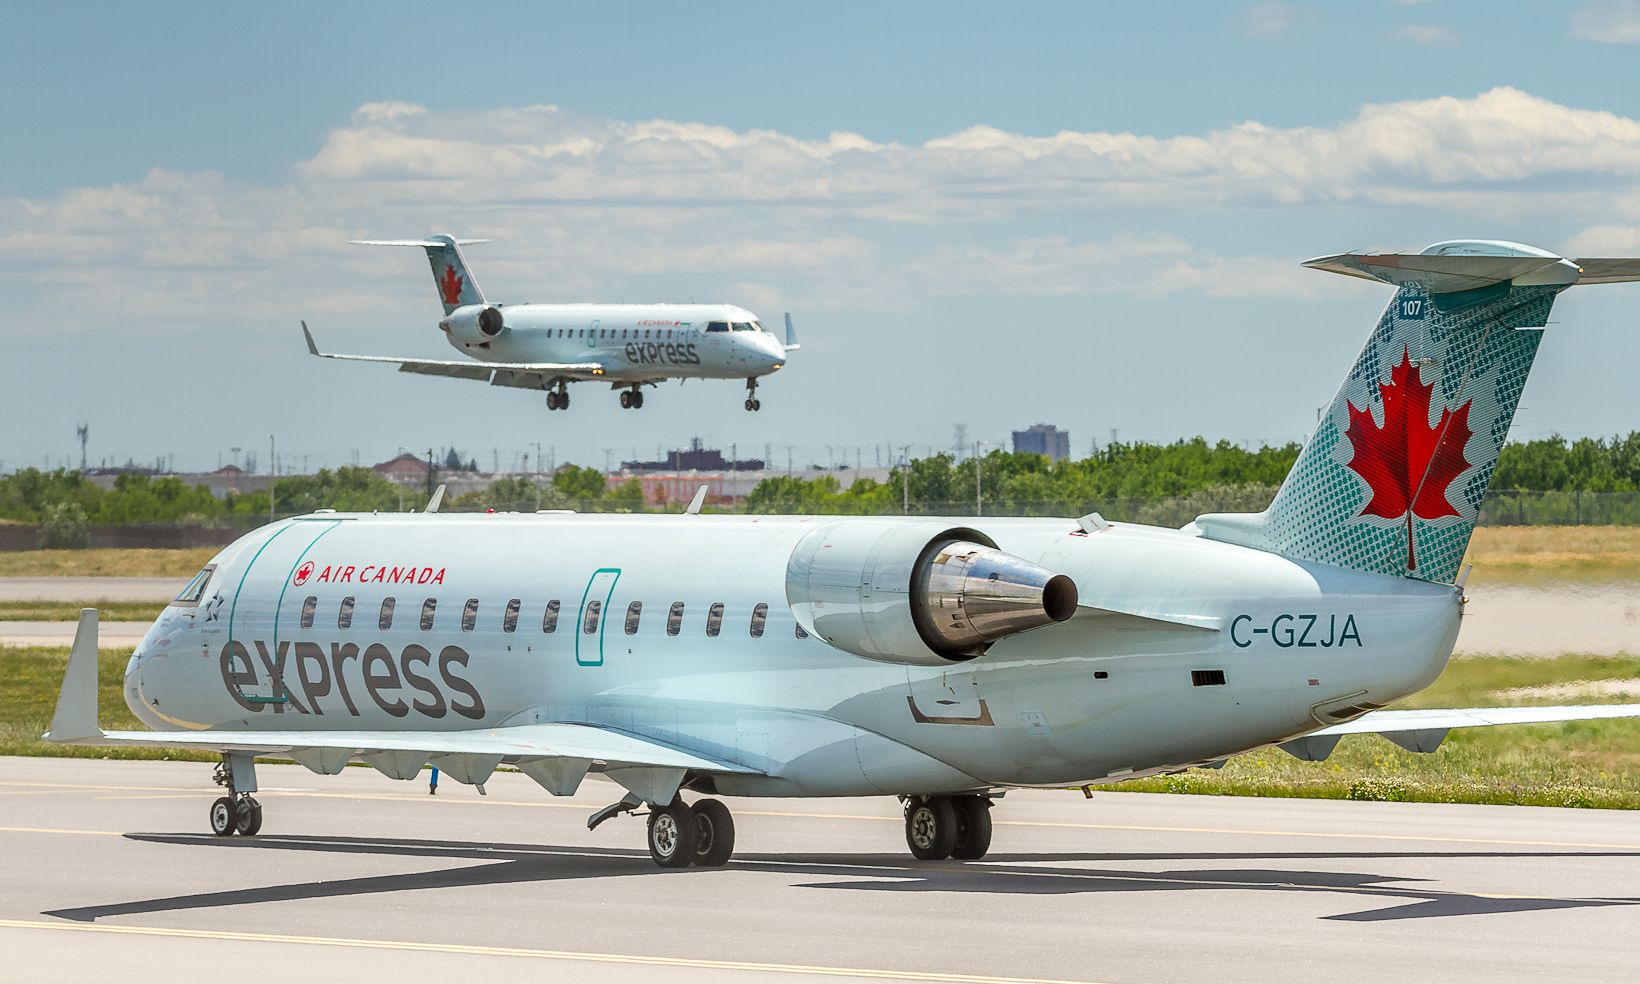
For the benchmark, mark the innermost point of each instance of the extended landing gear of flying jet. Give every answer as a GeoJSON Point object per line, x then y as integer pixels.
{"type": "Point", "coordinates": [752, 402]}
{"type": "Point", "coordinates": [632, 399]}
{"type": "Point", "coordinates": [238, 812]}
{"type": "Point", "coordinates": [940, 827]}
{"type": "Point", "coordinates": [558, 399]}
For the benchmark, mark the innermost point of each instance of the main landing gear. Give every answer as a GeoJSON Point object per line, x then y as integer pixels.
{"type": "Point", "coordinates": [681, 835]}
{"type": "Point", "coordinates": [558, 399]}
{"type": "Point", "coordinates": [940, 827]}
{"type": "Point", "coordinates": [238, 812]}
{"type": "Point", "coordinates": [632, 399]}
{"type": "Point", "coordinates": [752, 402]}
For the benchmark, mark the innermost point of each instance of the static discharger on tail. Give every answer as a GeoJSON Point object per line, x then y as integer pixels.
{"type": "Point", "coordinates": [548, 346]}
{"type": "Point", "coordinates": [940, 660]}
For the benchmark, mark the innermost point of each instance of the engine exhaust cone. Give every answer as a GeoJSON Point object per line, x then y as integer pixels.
{"type": "Point", "coordinates": [967, 596]}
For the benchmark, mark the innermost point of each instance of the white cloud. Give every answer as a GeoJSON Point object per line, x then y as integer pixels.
{"type": "Point", "coordinates": [1429, 35]}
{"type": "Point", "coordinates": [582, 203]}
{"type": "Point", "coordinates": [1608, 22]}
{"type": "Point", "coordinates": [1268, 19]}
{"type": "Point", "coordinates": [1605, 240]}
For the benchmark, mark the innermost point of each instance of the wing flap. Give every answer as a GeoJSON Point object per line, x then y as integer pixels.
{"type": "Point", "coordinates": [459, 368]}
{"type": "Point", "coordinates": [524, 741]}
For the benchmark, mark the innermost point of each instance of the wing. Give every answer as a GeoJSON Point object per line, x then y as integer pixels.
{"type": "Point", "coordinates": [1424, 730]}
{"type": "Point", "coordinates": [505, 373]}
{"type": "Point", "coordinates": [556, 755]}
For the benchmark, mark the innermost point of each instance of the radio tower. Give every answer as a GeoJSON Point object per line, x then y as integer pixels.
{"type": "Point", "coordinates": [83, 432]}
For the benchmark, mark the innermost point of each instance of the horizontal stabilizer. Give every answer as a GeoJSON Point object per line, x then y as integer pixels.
{"type": "Point", "coordinates": [1448, 268]}
{"type": "Point", "coordinates": [424, 243]}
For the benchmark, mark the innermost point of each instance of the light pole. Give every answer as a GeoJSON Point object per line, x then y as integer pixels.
{"type": "Point", "coordinates": [979, 510]}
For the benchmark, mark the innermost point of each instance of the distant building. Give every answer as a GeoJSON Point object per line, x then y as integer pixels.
{"type": "Point", "coordinates": [405, 468]}
{"type": "Point", "coordinates": [697, 458]}
{"type": "Point", "coordinates": [1044, 439]}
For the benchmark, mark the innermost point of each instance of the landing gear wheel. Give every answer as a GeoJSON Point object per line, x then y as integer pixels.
{"type": "Point", "coordinates": [637, 400]}
{"type": "Point", "coordinates": [626, 401]}
{"type": "Point", "coordinates": [930, 827]}
{"type": "Point", "coordinates": [224, 816]}
{"type": "Point", "coordinates": [672, 834]}
{"type": "Point", "coordinates": [748, 404]}
{"type": "Point", "coordinates": [557, 400]}
{"type": "Point", "coordinates": [714, 834]}
{"type": "Point", "coordinates": [973, 827]}
{"type": "Point", "coordinates": [248, 817]}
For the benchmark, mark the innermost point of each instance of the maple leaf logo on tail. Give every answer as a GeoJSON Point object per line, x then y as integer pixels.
{"type": "Point", "coordinates": [450, 285]}
{"type": "Point", "coordinates": [1408, 464]}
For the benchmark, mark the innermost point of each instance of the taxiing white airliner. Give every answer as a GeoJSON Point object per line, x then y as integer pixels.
{"type": "Point", "coordinates": [940, 660]}
{"type": "Point", "coordinates": [549, 346]}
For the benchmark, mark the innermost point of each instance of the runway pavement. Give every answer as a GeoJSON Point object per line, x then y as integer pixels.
{"type": "Point", "coordinates": [90, 588]}
{"type": "Point", "coordinates": [106, 864]}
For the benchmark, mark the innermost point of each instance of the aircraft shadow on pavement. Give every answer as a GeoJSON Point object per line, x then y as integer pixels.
{"type": "Point", "coordinates": [1000, 874]}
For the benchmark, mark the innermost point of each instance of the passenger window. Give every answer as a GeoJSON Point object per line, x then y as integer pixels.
{"type": "Point", "coordinates": [344, 618]}
{"type": "Point", "coordinates": [549, 621]}
{"type": "Point", "coordinates": [634, 612]}
{"type": "Point", "coordinates": [427, 609]}
{"type": "Point", "coordinates": [717, 326]}
{"type": "Point", "coordinates": [714, 618]}
{"type": "Point", "coordinates": [509, 618]}
{"type": "Point", "coordinates": [469, 615]}
{"type": "Point", "coordinates": [590, 624]}
{"type": "Point", "coordinates": [309, 606]}
{"type": "Point", "coordinates": [760, 617]}
{"type": "Point", "coordinates": [801, 633]}
{"type": "Point", "coordinates": [674, 619]}
{"type": "Point", "coordinates": [195, 589]}
{"type": "Point", "coordinates": [384, 621]}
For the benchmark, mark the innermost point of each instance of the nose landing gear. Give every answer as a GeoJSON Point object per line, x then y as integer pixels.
{"type": "Point", "coordinates": [752, 402]}
{"type": "Point", "coordinates": [238, 812]}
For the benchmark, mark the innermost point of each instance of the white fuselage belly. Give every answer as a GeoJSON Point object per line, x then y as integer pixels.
{"type": "Point", "coordinates": [634, 341]}
{"type": "Point", "coordinates": [817, 720]}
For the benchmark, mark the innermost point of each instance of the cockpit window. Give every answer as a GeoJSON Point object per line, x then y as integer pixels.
{"type": "Point", "coordinates": [717, 326]}
{"type": "Point", "coordinates": [196, 588]}
{"type": "Point", "coordinates": [743, 326]}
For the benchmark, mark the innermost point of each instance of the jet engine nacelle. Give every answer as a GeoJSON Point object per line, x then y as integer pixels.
{"type": "Point", "coordinates": [918, 592]}
{"type": "Point", "coordinates": [474, 323]}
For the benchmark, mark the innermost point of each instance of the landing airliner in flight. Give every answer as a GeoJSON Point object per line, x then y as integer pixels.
{"type": "Point", "coordinates": [549, 346]}
{"type": "Point", "coordinates": [940, 660]}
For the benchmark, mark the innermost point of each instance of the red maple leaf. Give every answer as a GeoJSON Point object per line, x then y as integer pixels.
{"type": "Point", "coordinates": [1408, 464]}
{"type": "Point", "coordinates": [450, 286]}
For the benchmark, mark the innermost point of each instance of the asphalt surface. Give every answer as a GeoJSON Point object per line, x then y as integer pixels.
{"type": "Point", "coordinates": [107, 864]}
{"type": "Point", "coordinates": [90, 588]}
{"type": "Point", "coordinates": [110, 635]}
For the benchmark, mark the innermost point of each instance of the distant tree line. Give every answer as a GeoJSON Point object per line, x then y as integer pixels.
{"type": "Point", "coordinates": [1552, 480]}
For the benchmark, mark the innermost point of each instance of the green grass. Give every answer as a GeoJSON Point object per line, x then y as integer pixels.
{"type": "Point", "coordinates": [1534, 555]}
{"type": "Point", "coordinates": [1592, 764]}
{"type": "Point", "coordinates": [69, 611]}
{"type": "Point", "coordinates": [29, 679]}
{"type": "Point", "coordinates": [105, 562]}
{"type": "Point", "coordinates": [1582, 763]}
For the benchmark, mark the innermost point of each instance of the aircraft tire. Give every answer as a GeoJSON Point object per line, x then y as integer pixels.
{"type": "Point", "coordinates": [973, 827]}
{"type": "Point", "coordinates": [715, 833]}
{"type": "Point", "coordinates": [248, 818]}
{"type": "Point", "coordinates": [930, 827]}
{"type": "Point", "coordinates": [637, 400]}
{"type": "Point", "coordinates": [626, 401]}
{"type": "Point", "coordinates": [224, 814]}
{"type": "Point", "coordinates": [672, 834]}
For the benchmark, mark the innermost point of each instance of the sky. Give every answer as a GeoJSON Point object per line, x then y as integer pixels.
{"type": "Point", "coordinates": [1084, 214]}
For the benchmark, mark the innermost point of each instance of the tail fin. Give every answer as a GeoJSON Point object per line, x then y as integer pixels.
{"type": "Point", "coordinates": [456, 286]}
{"type": "Point", "coordinates": [1393, 478]}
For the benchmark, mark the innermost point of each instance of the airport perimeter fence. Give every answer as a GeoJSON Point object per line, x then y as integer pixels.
{"type": "Point", "coordinates": [1505, 508]}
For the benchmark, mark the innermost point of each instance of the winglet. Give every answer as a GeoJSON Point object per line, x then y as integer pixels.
{"type": "Point", "coordinates": [76, 717]}
{"type": "Point", "coordinates": [791, 335]}
{"type": "Point", "coordinates": [436, 501]}
{"type": "Point", "coordinates": [695, 503]}
{"type": "Point", "coordinates": [313, 347]}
